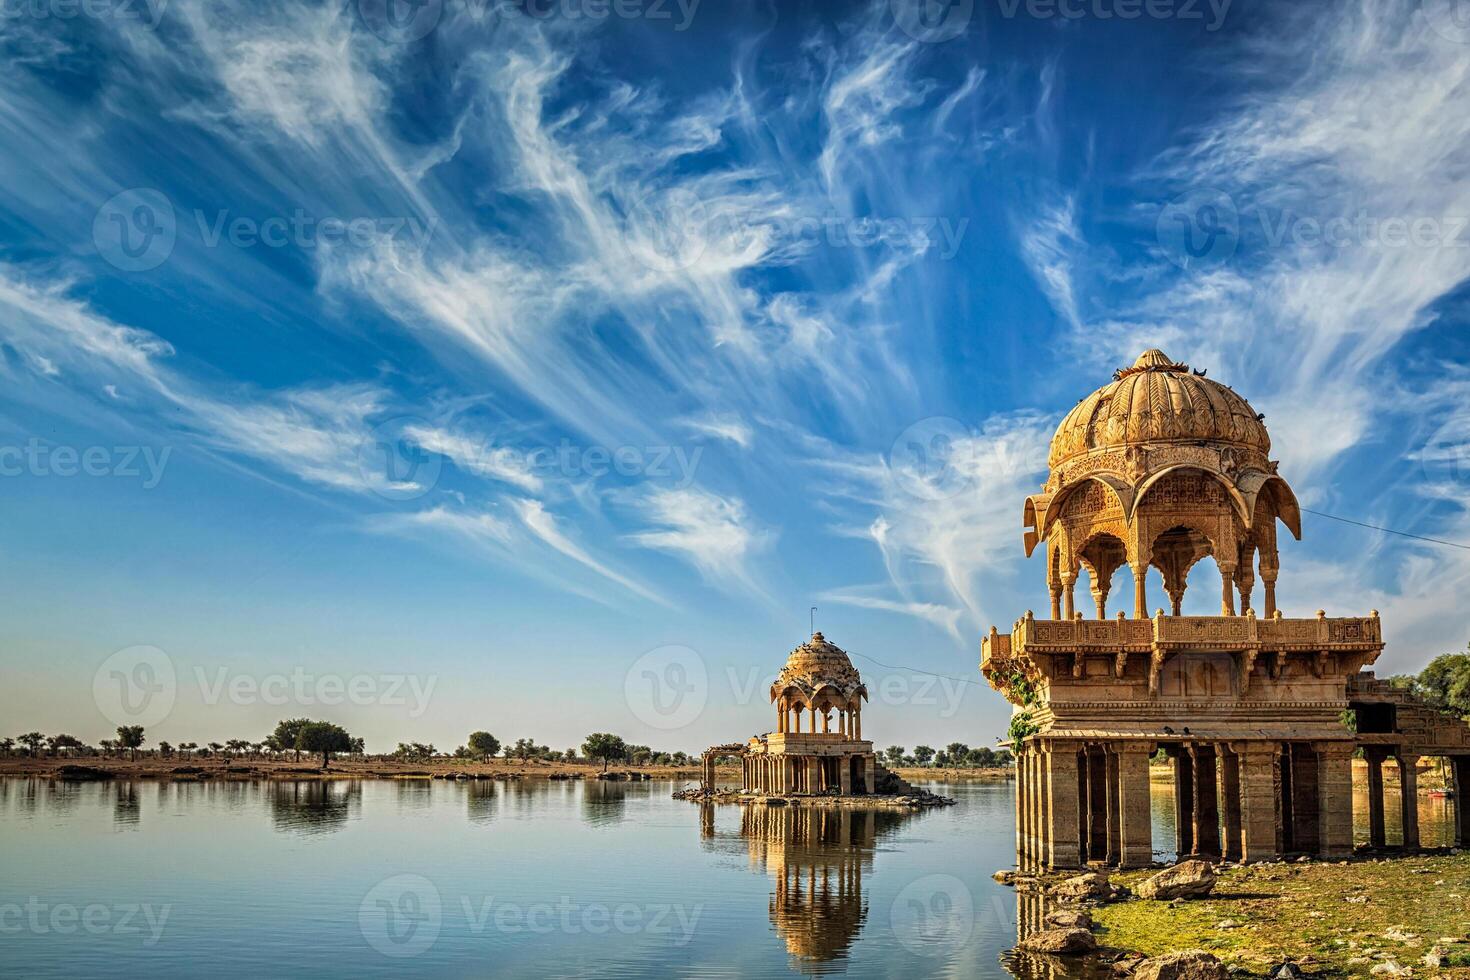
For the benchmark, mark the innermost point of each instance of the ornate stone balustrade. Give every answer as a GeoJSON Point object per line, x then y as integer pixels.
{"type": "Point", "coordinates": [1034, 644]}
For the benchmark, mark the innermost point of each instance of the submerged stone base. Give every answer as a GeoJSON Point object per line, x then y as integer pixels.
{"type": "Point", "coordinates": [911, 800]}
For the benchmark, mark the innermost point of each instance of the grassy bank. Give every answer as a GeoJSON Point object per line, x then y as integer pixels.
{"type": "Point", "coordinates": [1337, 919]}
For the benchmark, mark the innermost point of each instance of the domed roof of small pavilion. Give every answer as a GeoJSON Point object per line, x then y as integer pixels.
{"type": "Point", "coordinates": [816, 664]}
{"type": "Point", "coordinates": [1157, 400]}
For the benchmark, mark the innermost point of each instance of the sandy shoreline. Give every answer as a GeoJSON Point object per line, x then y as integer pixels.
{"type": "Point", "coordinates": [190, 770]}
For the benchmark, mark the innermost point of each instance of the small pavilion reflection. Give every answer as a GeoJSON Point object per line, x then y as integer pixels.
{"type": "Point", "coordinates": [818, 857]}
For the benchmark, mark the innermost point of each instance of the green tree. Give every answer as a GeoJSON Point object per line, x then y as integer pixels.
{"type": "Point", "coordinates": [923, 754]}
{"type": "Point", "coordinates": [1445, 683]}
{"type": "Point", "coordinates": [982, 757]}
{"type": "Point", "coordinates": [288, 732]}
{"type": "Point", "coordinates": [894, 754]}
{"type": "Point", "coordinates": [604, 746]}
{"type": "Point", "coordinates": [7, 745]}
{"type": "Point", "coordinates": [324, 737]}
{"type": "Point", "coordinates": [958, 752]}
{"type": "Point", "coordinates": [130, 737]}
{"type": "Point", "coordinates": [63, 742]}
{"type": "Point", "coordinates": [32, 741]}
{"type": "Point", "coordinates": [484, 745]}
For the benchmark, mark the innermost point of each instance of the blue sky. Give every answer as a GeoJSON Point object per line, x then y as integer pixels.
{"type": "Point", "coordinates": [541, 356]}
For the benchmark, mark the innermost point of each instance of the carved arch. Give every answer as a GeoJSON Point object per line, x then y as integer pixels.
{"type": "Point", "coordinates": [1242, 509]}
{"type": "Point", "coordinates": [1059, 500]}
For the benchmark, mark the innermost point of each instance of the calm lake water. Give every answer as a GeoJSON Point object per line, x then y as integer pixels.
{"type": "Point", "coordinates": [525, 878]}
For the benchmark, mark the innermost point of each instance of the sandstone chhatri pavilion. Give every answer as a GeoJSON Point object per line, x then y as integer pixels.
{"type": "Point", "coordinates": [809, 752]}
{"type": "Point", "coordinates": [1159, 469]}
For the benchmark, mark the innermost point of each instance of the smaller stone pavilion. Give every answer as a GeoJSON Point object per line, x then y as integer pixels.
{"type": "Point", "coordinates": [818, 746]}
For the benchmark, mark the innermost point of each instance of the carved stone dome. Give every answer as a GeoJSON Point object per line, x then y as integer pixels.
{"type": "Point", "coordinates": [818, 664]}
{"type": "Point", "coordinates": [1157, 400]}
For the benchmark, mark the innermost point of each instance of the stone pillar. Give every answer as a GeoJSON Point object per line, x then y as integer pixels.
{"type": "Point", "coordinates": [1056, 601]}
{"type": "Point", "coordinates": [1097, 804]}
{"type": "Point", "coordinates": [1036, 831]}
{"type": "Point", "coordinates": [1206, 801]}
{"type": "Point", "coordinates": [813, 774]}
{"type": "Point", "coordinates": [870, 774]}
{"type": "Point", "coordinates": [1069, 579]}
{"type": "Point", "coordinates": [857, 731]}
{"type": "Point", "coordinates": [1227, 587]}
{"type": "Point", "coordinates": [1461, 771]}
{"type": "Point", "coordinates": [1060, 806]}
{"type": "Point", "coordinates": [1257, 763]}
{"type": "Point", "coordinates": [1135, 807]}
{"type": "Point", "coordinates": [1183, 802]}
{"type": "Point", "coordinates": [1307, 802]}
{"type": "Point", "coordinates": [1140, 590]}
{"type": "Point", "coordinates": [1268, 581]}
{"type": "Point", "coordinates": [1409, 797]}
{"type": "Point", "coordinates": [1245, 581]}
{"type": "Point", "coordinates": [1376, 835]}
{"type": "Point", "coordinates": [1115, 824]}
{"type": "Point", "coordinates": [1230, 803]}
{"type": "Point", "coordinates": [1022, 764]}
{"type": "Point", "coordinates": [1041, 807]}
{"type": "Point", "coordinates": [844, 775]}
{"type": "Point", "coordinates": [1335, 795]}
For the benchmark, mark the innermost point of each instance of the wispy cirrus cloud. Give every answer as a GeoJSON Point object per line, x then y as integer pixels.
{"type": "Point", "coordinates": [315, 433]}
{"type": "Point", "coordinates": [714, 534]}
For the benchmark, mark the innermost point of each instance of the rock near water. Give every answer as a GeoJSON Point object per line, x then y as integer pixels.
{"type": "Point", "coordinates": [1069, 919]}
{"type": "Point", "coordinates": [1080, 888]}
{"type": "Point", "coordinates": [1188, 879]}
{"type": "Point", "coordinates": [1191, 964]}
{"type": "Point", "coordinates": [1065, 942]}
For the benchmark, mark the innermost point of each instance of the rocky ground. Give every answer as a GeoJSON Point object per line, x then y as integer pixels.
{"type": "Point", "coordinates": [1400, 916]}
{"type": "Point", "coordinates": [913, 799]}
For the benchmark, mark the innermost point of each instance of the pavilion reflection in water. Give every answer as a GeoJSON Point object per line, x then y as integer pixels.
{"type": "Point", "coordinates": [818, 857]}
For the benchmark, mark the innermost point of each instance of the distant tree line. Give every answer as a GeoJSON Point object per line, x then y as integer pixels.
{"type": "Point", "coordinates": [294, 736]}
{"type": "Point", "coordinates": [955, 755]}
